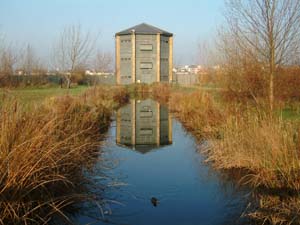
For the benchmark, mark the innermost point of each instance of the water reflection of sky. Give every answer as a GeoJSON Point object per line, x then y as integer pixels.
{"type": "Point", "coordinates": [187, 190]}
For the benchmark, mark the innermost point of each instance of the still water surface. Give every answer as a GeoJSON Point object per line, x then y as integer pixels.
{"type": "Point", "coordinates": [166, 180]}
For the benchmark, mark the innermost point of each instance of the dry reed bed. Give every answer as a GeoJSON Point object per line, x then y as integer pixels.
{"type": "Point", "coordinates": [198, 111]}
{"type": "Point", "coordinates": [45, 151]}
{"type": "Point", "coordinates": [247, 138]}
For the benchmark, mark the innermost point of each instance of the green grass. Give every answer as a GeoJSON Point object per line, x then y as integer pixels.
{"type": "Point", "coordinates": [290, 114]}
{"type": "Point", "coordinates": [38, 94]}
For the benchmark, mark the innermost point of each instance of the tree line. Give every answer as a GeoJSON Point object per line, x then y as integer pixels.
{"type": "Point", "coordinates": [73, 52]}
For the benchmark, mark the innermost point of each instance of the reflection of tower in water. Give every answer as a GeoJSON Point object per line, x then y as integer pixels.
{"type": "Point", "coordinates": [144, 125]}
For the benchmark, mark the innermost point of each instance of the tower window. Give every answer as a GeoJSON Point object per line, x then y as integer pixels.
{"type": "Point", "coordinates": [146, 65]}
{"type": "Point", "coordinates": [146, 47]}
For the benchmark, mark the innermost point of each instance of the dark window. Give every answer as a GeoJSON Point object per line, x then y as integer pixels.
{"type": "Point", "coordinates": [125, 59]}
{"type": "Point", "coordinates": [146, 131]}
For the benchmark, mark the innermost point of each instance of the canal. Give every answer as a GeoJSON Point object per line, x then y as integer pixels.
{"type": "Point", "coordinates": [158, 175]}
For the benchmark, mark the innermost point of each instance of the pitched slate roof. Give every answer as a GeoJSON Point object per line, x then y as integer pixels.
{"type": "Point", "coordinates": [144, 28]}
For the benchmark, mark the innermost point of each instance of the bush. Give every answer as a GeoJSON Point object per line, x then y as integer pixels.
{"type": "Point", "coordinates": [244, 83]}
{"type": "Point", "coordinates": [287, 84]}
{"type": "Point", "coordinates": [28, 80]}
{"type": "Point", "coordinates": [251, 82]}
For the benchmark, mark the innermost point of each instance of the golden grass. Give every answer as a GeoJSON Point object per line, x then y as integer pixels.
{"type": "Point", "coordinates": [245, 137]}
{"type": "Point", "coordinates": [198, 111]}
{"type": "Point", "coordinates": [276, 210]}
{"type": "Point", "coordinates": [267, 146]}
{"type": "Point", "coordinates": [44, 152]}
{"type": "Point", "coordinates": [161, 92]}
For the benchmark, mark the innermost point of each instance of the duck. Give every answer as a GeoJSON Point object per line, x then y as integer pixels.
{"type": "Point", "coordinates": [154, 201]}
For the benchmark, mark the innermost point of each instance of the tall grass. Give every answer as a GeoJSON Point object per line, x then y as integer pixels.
{"type": "Point", "coordinates": [161, 92]}
{"type": "Point", "coordinates": [266, 145]}
{"type": "Point", "coordinates": [246, 137]}
{"type": "Point", "coordinates": [198, 111]}
{"type": "Point", "coordinates": [45, 151]}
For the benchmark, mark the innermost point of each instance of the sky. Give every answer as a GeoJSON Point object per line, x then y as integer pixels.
{"type": "Point", "coordinates": [39, 22]}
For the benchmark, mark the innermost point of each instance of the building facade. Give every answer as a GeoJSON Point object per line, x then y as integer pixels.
{"type": "Point", "coordinates": [144, 54]}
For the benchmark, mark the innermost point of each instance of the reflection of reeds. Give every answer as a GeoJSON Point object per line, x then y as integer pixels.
{"type": "Point", "coordinates": [45, 151]}
{"type": "Point", "coordinates": [246, 138]}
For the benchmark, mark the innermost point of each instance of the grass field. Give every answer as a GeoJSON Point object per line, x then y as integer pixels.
{"type": "Point", "coordinates": [38, 94]}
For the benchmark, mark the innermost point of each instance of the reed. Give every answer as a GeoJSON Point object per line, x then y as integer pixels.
{"type": "Point", "coordinates": [46, 151]}
{"type": "Point", "coordinates": [198, 111]}
{"type": "Point", "coordinates": [246, 137]}
{"type": "Point", "coordinates": [267, 146]}
{"type": "Point", "coordinates": [161, 92]}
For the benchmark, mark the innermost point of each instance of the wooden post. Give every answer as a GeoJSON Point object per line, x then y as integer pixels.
{"type": "Point", "coordinates": [118, 72]}
{"type": "Point", "coordinates": [158, 58]}
{"type": "Point", "coordinates": [170, 59]}
{"type": "Point", "coordinates": [133, 58]}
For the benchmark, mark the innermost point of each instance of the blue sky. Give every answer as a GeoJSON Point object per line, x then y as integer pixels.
{"type": "Point", "coordinates": [39, 22]}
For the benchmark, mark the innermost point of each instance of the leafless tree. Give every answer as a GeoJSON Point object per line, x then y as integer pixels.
{"type": "Point", "coordinates": [73, 50]}
{"type": "Point", "coordinates": [8, 59]}
{"type": "Point", "coordinates": [207, 53]}
{"type": "Point", "coordinates": [103, 61]}
{"type": "Point", "coordinates": [265, 30]}
{"type": "Point", "coordinates": [30, 63]}
{"type": "Point", "coordinates": [203, 53]}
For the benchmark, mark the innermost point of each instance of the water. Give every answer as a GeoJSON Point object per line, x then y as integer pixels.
{"type": "Point", "coordinates": [157, 159]}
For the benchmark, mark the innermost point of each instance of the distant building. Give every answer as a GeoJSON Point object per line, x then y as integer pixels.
{"type": "Point", "coordinates": [19, 72]}
{"type": "Point", "coordinates": [97, 73]}
{"type": "Point", "coordinates": [144, 54]}
{"type": "Point", "coordinates": [195, 69]}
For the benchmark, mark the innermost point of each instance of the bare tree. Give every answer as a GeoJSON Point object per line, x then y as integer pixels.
{"type": "Point", "coordinates": [8, 59]}
{"type": "Point", "coordinates": [203, 53]}
{"type": "Point", "coordinates": [30, 63]}
{"type": "Point", "coordinates": [103, 61]}
{"type": "Point", "coordinates": [265, 30]}
{"type": "Point", "coordinates": [73, 50]}
{"type": "Point", "coordinates": [207, 53]}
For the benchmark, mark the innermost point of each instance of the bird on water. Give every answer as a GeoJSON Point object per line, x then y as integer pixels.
{"type": "Point", "coordinates": [154, 201]}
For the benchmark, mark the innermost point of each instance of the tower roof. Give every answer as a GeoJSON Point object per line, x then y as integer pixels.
{"type": "Point", "coordinates": [144, 28]}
